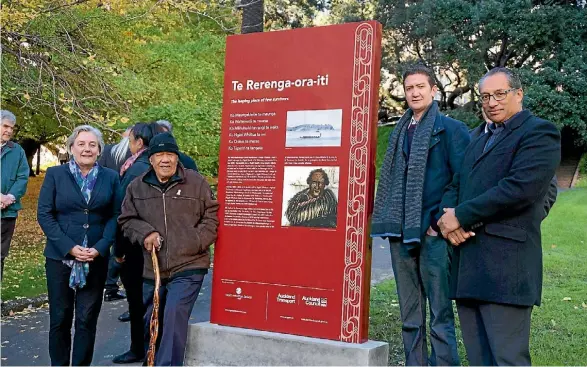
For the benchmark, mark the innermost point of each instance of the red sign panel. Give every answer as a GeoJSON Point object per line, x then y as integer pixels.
{"type": "Point", "coordinates": [296, 181]}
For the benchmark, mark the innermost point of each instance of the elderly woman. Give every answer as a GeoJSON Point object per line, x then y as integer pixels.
{"type": "Point", "coordinates": [77, 210]}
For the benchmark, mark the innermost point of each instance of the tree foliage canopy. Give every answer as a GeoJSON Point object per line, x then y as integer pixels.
{"type": "Point", "coordinates": [545, 41]}
{"type": "Point", "coordinates": [114, 63]}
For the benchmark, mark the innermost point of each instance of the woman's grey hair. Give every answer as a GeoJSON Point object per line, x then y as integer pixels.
{"type": "Point", "coordinates": [7, 115]}
{"type": "Point", "coordinates": [120, 150]}
{"type": "Point", "coordinates": [88, 129]}
{"type": "Point", "coordinates": [166, 124]}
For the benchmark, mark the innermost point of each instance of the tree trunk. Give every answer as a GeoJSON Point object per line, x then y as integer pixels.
{"type": "Point", "coordinates": [30, 146]}
{"type": "Point", "coordinates": [253, 11]}
{"type": "Point", "coordinates": [38, 161]}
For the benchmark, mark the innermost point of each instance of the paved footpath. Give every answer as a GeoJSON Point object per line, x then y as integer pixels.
{"type": "Point", "coordinates": [24, 336]}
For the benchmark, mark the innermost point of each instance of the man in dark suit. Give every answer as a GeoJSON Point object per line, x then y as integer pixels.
{"type": "Point", "coordinates": [499, 194]}
{"type": "Point", "coordinates": [550, 197]}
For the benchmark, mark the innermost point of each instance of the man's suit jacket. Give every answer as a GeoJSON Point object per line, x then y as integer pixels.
{"type": "Point", "coordinates": [65, 217]}
{"type": "Point", "coordinates": [447, 146]}
{"type": "Point", "coordinates": [550, 197]}
{"type": "Point", "coordinates": [499, 194]}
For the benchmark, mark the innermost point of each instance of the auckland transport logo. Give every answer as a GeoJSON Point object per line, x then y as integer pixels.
{"type": "Point", "coordinates": [286, 298]}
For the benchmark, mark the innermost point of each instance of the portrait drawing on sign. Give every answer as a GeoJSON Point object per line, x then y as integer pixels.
{"type": "Point", "coordinates": [310, 197]}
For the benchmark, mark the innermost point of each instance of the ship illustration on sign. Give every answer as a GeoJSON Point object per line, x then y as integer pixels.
{"type": "Point", "coordinates": [316, 135]}
{"type": "Point", "coordinates": [313, 128]}
{"type": "Point", "coordinates": [320, 135]}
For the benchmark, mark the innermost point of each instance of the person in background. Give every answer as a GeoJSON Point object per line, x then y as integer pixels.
{"type": "Point", "coordinates": [62, 156]}
{"type": "Point", "coordinates": [131, 257]}
{"type": "Point", "coordinates": [185, 159]}
{"type": "Point", "coordinates": [113, 157]}
{"type": "Point", "coordinates": [15, 177]}
{"type": "Point", "coordinates": [171, 210]}
{"type": "Point", "coordinates": [77, 210]}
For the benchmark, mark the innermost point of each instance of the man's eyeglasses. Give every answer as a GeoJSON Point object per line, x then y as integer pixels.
{"type": "Point", "coordinates": [498, 96]}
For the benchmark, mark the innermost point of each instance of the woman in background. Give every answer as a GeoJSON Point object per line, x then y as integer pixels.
{"type": "Point", "coordinates": [131, 257]}
{"type": "Point", "coordinates": [113, 157]}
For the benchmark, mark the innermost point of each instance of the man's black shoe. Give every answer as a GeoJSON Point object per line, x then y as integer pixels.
{"type": "Point", "coordinates": [128, 357]}
{"type": "Point", "coordinates": [124, 317]}
{"type": "Point", "coordinates": [114, 296]}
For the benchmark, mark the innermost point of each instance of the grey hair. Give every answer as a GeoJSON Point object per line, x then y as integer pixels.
{"type": "Point", "coordinates": [7, 115]}
{"type": "Point", "coordinates": [513, 79]}
{"type": "Point", "coordinates": [119, 150]}
{"type": "Point", "coordinates": [88, 129]}
{"type": "Point", "coordinates": [166, 124]}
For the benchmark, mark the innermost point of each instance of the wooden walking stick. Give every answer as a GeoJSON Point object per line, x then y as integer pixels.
{"type": "Point", "coordinates": [154, 324]}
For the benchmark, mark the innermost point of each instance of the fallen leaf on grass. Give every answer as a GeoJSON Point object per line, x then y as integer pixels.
{"type": "Point", "coordinates": [567, 299]}
{"type": "Point", "coordinates": [553, 322]}
{"type": "Point", "coordinates": [552, 246]}
{"type": "Point", "coordinates": [584, 305]}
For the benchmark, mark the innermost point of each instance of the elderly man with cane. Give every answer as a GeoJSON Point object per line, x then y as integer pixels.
{"type": "Point", "coordinates": [172, 211]}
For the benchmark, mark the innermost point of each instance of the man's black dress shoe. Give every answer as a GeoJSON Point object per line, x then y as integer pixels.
{"type": "Point", "coordinates": [114, 296]}
{"type": "Point", "coordinates": [124, 317]}
{"type": "Point", "coordinates": [128, 357]}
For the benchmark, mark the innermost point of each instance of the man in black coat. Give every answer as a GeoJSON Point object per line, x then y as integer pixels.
{"type": "Point", "coordinates": [550, 197]}
{"type": "Point", "coordinates": [499, 193]}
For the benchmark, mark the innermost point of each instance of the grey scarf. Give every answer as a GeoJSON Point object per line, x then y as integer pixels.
{"type": "Point", "coordinates": [391, 218]}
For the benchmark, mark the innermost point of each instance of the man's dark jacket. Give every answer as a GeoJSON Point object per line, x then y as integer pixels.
{"type": "Point", "coordinates": [183, 212]}
{"type": "Point", "coordinates": [445, 153]}
{"type": "Point", "coordinates": [550, 197]}
{"type": "Point", "coordinates": [65, 217]}
{"type": "Point", "coordinates": [188, 162]}
{"type": "Point", "coordinates": [138, 168]}
{"type": "Point", "coordinates": [499, 194]}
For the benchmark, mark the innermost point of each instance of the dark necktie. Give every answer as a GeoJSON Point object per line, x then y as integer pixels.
{"type": "Point", "coordinates": [493, 130]}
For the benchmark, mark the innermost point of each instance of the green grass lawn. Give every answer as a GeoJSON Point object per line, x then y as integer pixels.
{"type": "Point", "coordinates": [559, 326]}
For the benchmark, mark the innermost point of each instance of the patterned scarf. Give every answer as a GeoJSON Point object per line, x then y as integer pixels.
{"type": "Point", "coordinates": [130, 161]}
{"type": "Point", "coordinates": [398, 205]}
{"type": "Point", "coordinates": [79, 269]}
